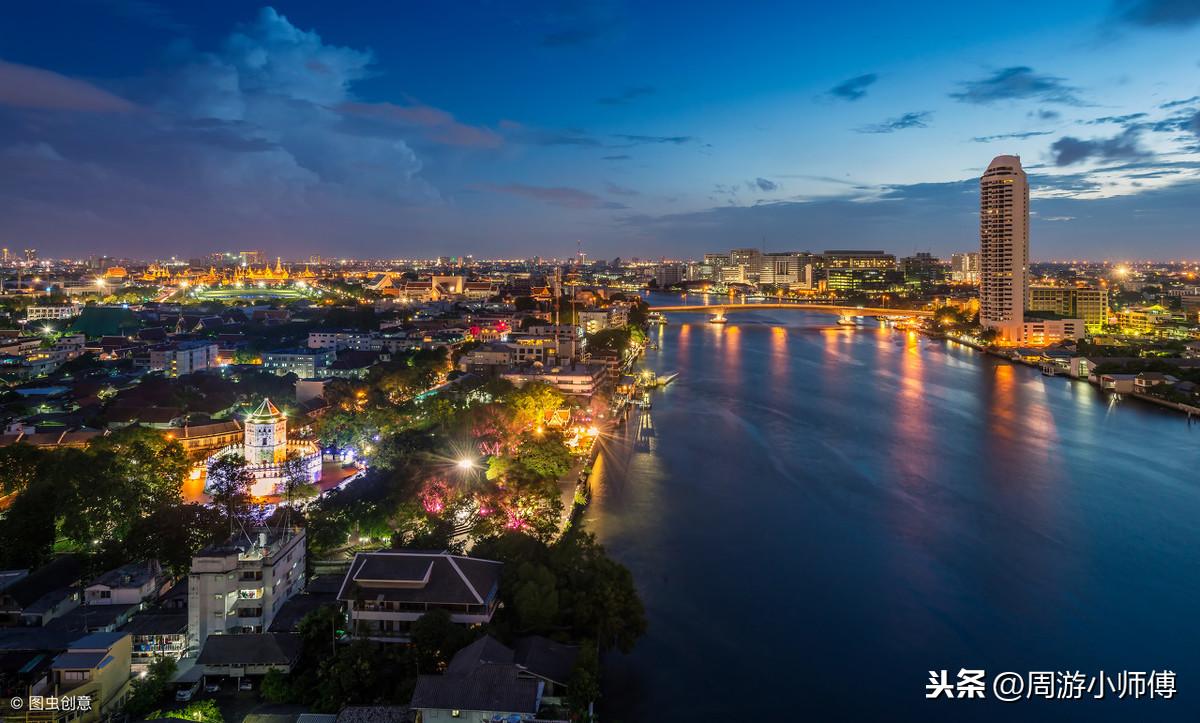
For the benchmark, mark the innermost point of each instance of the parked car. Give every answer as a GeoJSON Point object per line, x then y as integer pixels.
{"type": "Point", "coordinates": [212, 686]}
{"type": "Point", "coordinates": [185, 691]}
{"type": "Point", "coordinates": [245, 684]}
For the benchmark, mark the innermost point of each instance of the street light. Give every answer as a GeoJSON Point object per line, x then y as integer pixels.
{"type": "Point", "coordinates": [465, 464]}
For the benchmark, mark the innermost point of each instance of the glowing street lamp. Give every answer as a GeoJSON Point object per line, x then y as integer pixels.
{"type": "Point", "coordinates": [465, 464]}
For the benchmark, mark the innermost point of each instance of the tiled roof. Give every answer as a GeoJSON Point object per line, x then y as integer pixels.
{"type": "Point", "coordinates": [421, 577]}
{"type": "Point", "coordinates": [497, 688]}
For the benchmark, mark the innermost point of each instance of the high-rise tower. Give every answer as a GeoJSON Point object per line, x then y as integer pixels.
{"type": "Point", "coordinates": [1004, 248]}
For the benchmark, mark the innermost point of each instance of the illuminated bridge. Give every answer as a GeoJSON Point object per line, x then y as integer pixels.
{"type": "Point", "coordinates": [722, 309]}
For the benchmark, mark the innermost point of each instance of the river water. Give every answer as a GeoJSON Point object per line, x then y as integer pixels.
{"type": "Point", "coordinates": [817, 516]}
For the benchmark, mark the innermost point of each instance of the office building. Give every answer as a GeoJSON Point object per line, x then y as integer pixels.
{"type": "Point", "coordinates": [304, 363]}
{"type": "Point", "coordinates": [1087, 303]}
{"type": "Point", "coordinates": [964, 267]}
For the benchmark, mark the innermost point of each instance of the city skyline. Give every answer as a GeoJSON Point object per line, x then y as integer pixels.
{"type": "Point", "coordinates": [301, 130]}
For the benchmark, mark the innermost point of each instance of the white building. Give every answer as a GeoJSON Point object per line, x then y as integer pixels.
{"type": "Point", "coordinates": [579, 379]}
{"type": "Point", "coordinates": [386, 592]}
{"type": "Point", "coordinates": [185, 357]}
{"type": "Point", "coordinates": [304, 363]}
{"type": "Point", "coordinates": [41, 313]}
{"type": "Point", "coordinates": [238, 587]}
{"type": "Point", "coordinates": [1004, 248]}
{"type": "Point", "coordinates": [1041, 332]}
{"type": "Point", "coordinates": [266, 449]}
{"type": "Point", "coordinates": [131, 584]}
{"type": "Point", "coordinates": [339, 340]}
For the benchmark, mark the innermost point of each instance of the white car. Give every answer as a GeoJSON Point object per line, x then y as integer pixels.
{"type": "Point", "coordinates": [245, 684]}
{"type": "Point", "coordinates": [185, 691]}
{"type": "Point", "coordinates": [212, 686]}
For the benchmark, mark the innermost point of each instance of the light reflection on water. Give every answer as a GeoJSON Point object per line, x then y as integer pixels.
{"type": "Point", "coordinates": [819, 507]}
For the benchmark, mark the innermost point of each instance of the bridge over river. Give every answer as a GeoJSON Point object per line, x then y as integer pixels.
{"type": "Point", "coordinates": [722, 309]}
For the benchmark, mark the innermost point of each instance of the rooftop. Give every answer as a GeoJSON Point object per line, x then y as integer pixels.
{"type": "Point", "coordinates": [433, 577]}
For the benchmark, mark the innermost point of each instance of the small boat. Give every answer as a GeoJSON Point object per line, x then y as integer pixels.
{"type": "Point", "coordinates": [718, 319]}
{"type": "Point", "coordinates": [846, 321]}
{"type": "Point", "coordinates": [665, 379]}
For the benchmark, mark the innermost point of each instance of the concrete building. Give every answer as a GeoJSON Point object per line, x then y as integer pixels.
{"type": "Point", "coordinates": [578, 380]}
{"type": "Point", "coordinates": [1087, 303]}
{"type": "Point", "coordinates": [304, 363]}
{"type": "Point", "coordinates": [184, 357]}
{"type": "Point", "coordinates": [96, 667]}
{"type": "Point", "coordinates": [42, 313]}
{"type": "Point", "coordinates": [1004, 248]}
{"type": "Point", "coordinates": [131, 584]}
{"type": "Point", "coordinates": [671, 272]}
{"type": "Point", "coordinates": [345, 339]}
{"type": "Point", "coordinates": [1044, 331]}
{"type": "Point", "coordinates": [964, 267]}
{"type": "Point", "coordinates": [239, 586]}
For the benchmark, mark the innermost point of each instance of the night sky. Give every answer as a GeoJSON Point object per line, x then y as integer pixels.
{"type": "Point", "coordinates": [509, 128]}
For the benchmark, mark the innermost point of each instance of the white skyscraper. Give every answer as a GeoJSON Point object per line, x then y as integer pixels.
{"type": "Point", "coordinates": [1004, 248]}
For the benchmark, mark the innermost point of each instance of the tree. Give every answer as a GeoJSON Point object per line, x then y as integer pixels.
{"type": "Point", "coordinates": [611, 341]}
{"type": "Point", "coordinates": [583, 688]}
{"type": "Point", "coordinates": [148, 692]}
{"type": "Point", "coordinates": [533, 402]}
{"type": "Point", "coordinates": [597, 595]}
{"type": "Point", "coordinates": [27, 529]}
{"type": "Point", "coordinates": [535, 599]}
{"type": "Point", "coordinates": [545, 456]}
{"type": "Point", "coordinates": [229, 486]}
{"type": "Point", "coordinates": [435, 639]}
{"type": "Point", "coordinates": [297, 482]}
{"type": "Point", "coordinates": [19, 467]}
{"type": "Point", "coordinates": [200, 711]}
{"type": "Point", "coordinates": [173, 534]}
{"type": "Point", "coordinates": [275, 687]}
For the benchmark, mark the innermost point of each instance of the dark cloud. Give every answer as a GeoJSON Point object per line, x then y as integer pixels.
{"type": "Point", "coordinates": [529, 135]}
{"type": "Point", "coordinates": [1069, 150]}
{"type": "Point", "coordinates": [762, 184]}
{"type": "Point", "coordinates": [435, 124]}
{"type": "Point", "coordinates": [147, 13]}
{"type": "Point", "coordinates": [854, 88]}
{"type": "Point", "coordinates": [571, 23]}
{"type": "Point", "coordinates": [1045, 114]}
{"type": "Point", "coordinates": [1115, 119]}
{"type": "Point", "coordinates": [1017, 83]}
{"type": "Point", "coordinates": [22, 86]}
{"type": "Point", "coordinates": [616, 190]}
{"type": "Point", "coordinates": [618, 157]}
{"type": "Point", "coordinates": [942, 217]}
{"type": "Point", "coordinates": [239, 143]}
{"type": "Point", "coordinates": [1181, 101]}
{"type": "Point", "coordinates": [637, 140]}
{"type": "Point", "coordinates": [555, 196]}
{"type": "Point", "coordinates": [628, 95]}
{"type": "Point", "coordinates": [1010, 136]}
{"type": "Point", "coordinates": [915, 119]}
{"type": "Point", "coordinates": [1158, 13]}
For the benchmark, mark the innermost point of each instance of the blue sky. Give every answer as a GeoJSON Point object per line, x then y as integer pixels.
{"type": "Point", "coordinates": [639, 129]}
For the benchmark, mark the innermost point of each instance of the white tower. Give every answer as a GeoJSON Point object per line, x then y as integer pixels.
{"type": "Point", "coordinates": [1004, 248]}
{"type": "Point", "coordinates": [266, 435]}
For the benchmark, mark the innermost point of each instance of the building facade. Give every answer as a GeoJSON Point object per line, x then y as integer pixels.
{"type": "Point", "coordinates": [304, 363]}
{"type": "Point", "coordinates": [1004, 248]}
{"type": "Point", "coordinates": [239, 586]}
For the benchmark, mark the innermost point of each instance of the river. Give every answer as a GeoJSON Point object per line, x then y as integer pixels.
{"type": "Point", "coordinates": [817, 516]}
